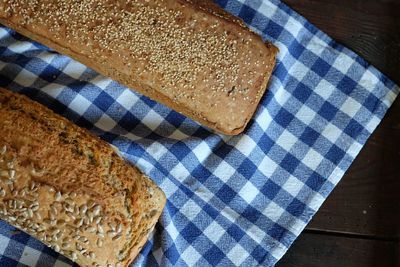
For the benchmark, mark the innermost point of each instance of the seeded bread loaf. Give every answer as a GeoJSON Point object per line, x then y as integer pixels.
{"type": "Point", "coordinates": [187, 54]}
{"type": "Point", "coordinates": [69, 189]}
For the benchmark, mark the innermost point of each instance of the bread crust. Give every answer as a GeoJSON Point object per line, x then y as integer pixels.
{"type": "Point", "coordinates": [71, 190]}
{"type": "Point", "coordinates": [190, 55]}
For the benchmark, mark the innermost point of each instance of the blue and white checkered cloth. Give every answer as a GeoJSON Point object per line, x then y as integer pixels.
{"type": "Point", "coordinates": [232, 201]}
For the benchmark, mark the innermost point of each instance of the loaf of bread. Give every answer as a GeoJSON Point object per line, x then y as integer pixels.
{"type": "Point", "coordinates": [69, 189]}
{"type": "Point", "coordinates": [190, 55]}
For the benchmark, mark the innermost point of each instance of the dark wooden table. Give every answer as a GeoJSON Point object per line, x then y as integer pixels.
{"type": "Point", "coordinates": [359, 224]}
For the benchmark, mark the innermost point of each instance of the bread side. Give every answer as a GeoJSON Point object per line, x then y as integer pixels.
{"type": "Point", "coordinates": [69, 189]}
{"type": "Point", "coordinates": [190, 55]}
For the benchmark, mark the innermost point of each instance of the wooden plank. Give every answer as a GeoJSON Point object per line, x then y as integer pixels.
{"type": "Point", "coordinates": [367, 200]}
{"type": "Point", "coordinates": [369, 27]}
{"type": "Point", "coordinates": [315, 250]}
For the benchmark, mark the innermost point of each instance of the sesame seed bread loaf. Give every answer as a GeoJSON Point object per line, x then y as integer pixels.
{"type": "Point", "coordinates": [69, 189]}
{"type": "Point", "coordinates": [190, 55]}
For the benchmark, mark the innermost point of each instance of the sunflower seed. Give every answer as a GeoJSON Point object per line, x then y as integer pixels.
{"type": "Point", "coordinates": [79, 246]}
{"type": "Point", "coordinates": [2, 192]}
{"type": "Point", "coordinates": [58, 196]}
{"type": "Point", "coordinates": [30, 213]}
{"type": "Point", "coordinates": [92, 255]}
{"type": "Point", "coordinates": [99, 243]}
{"type": "Point", "coordinates": [118, 236]}
{"type": "Point", "coordinates": [73, 195]}
{"type": "Point", "coordinates": [74, 256]}
{"type": "Point", "coordinates": [97, 220]}
{"type": "Point", "coordinates": [3, 149]}
{"type": "Point", "coordinates": [119, 228]}
{"type": "Point", "coordinates": [83, 208]}
{"type": "Point", "coordinates": [11, 174]}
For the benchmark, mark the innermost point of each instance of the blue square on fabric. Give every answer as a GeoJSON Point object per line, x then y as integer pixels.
{"type": "Point", "coordinates": [347, 85]}
{"type": "Point", "coordinates": [289, 163]}
{"type": "Point", "coordinates": [371, 103]}
{"type": "Point", "coordinates": [172, 254]}
{"type": "Point", "coordinates": [235, 232]}
{"type": "Point", "coordinates": [273, 29]}
{"type": "Point", "coordinates": [283, 118]}
{"type": "Point", "coordinates": [315, 181]}
{"type": "Point", "coordinates": [328, 111]}
{"type": "Point", "coordinates": [270, 189]}
{"type": "Point", "coordinates": [247, 13]}
{"type": "Point", "coordinates": [296, 207]}
{"type": "Point", "coordinates": [247, 168]}
{"type": "Point", "coordinates": [353, 129]}
{"type": "Point", "coordinates": [302, 92]}
{"type": "Point", "coordinates": [320, 67]}
{"type": "Point", "coordinates": [335, 154]}
{"type": "Point", "coordinates": [214, 255]}
{"type": "Point", "coordinates": [180, 150]}
{"type": "Point", "coordinates": [276, 231]}
{"type": "Point", "coordinates": [309, 136]}
{"type": "Point", "coordinates": [191, 232]}
{"type": "Point", "coordinates": [226, 193]}
{"type": "Point", "coordinates": [104, 101]}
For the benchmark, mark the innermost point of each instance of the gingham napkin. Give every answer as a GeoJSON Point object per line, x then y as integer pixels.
{"type": "Point", "coordinates": [232, 201]}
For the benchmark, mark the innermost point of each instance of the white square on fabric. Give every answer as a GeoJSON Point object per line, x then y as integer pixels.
{"type": "Point", "coordinates": [178, 135]}
{"type": "Point", "coordinates": [299, 70]}
{"type": "Point", "coordinates": [53, 89]}
{"type": "Point", "coordinates": [372, 124]}
{"type": "Point", "coordinates": [293, 26]}
{"type": "Point", "coordinates": [180, 172]}
{"type": "Point", "coordinates": [305, 114]}
{"type": "Point", "coordinates": [172, 231]}
{"type": "Point", "coordinates": [202, 151]}
{"type": "Point", "coordinates": [25, 78]}
{"type": "Point", "coordinates": [20, 47]}
{"type": "Point", "coordinates": [267, 166]}
{"type": "Point", "coordinates": [224, 171]}
{"type": "Point", "coordinates": [293, 185]}
{"type": "Point", "coordinates": [191, 209]}
{"type": "Point", "coordinates": [47, 57]}
{"type": "Point", "coordinates": [168, 187]}
{"type": "Point", "coordinates": [127, 99]}
{"type": "Point", "coordinates": [191, 256]}
{"type": "Point", "coordinates": [214, 232]}
{"type": "Point", "coordinates": [3, 243]}
{"type": "Point", "coordinates": [266, 121]}
{"type": "Point", "coordinates": [368, 81]}
{"type": "Point", "coordinates": [336, 175]}
{"type": "Point", "coordinates": [343, 63]}
{"type": "Point", "coordinates": [350, 107]}
{"type": "Point", "coordinates": [324, 89]}
{"type": "Point", "coordinates": [156, 150]}
{"type": "Point", "coordinates": [273, 211]}
{"type": "Point", "coordinates": [79, 104]}
{"type": "Point", "coordinates": [101, 81]}
{"type": "Point", "coordinates": [237, 255]}
{"type": "Point", "coordinates": [256, 233]}
{"type": "Point", "coordinates": [144, 165]}
{"type": "Point", "coordinates": [312, 159]}
{"type": "Point", "coordinates": [331, 132]}
{"type": "Point", "coordinates": [246, 145]}
{"type": "Point", "coordinates": [74, 69]}
{"type": "Point", "coordinates": [248, 192]}
{"type": "Point", "coordinates": [286, 140]}
{"type": "Point", "coordinates": [152, 120]}
{"type": "Point", "coordinates": [30, 256]}
{"type": "Point", "coordinates": [316, 45]}
{"type": "Point", "coordinates": [106, 123]}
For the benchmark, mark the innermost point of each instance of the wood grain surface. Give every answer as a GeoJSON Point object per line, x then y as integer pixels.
{"type": "Point", "coordinates": [359, 224]}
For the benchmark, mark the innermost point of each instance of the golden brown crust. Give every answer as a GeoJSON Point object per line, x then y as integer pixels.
{"type": "Point", "coordinates": [70, 189]}
{"type": "Point", "coordinates": [188, 54]}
